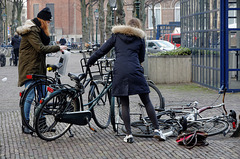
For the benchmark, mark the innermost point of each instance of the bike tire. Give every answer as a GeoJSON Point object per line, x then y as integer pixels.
{"type": "Point", "coordinates": [156, 97]}
{"type": "Point", "coordinates": [116, 114]}
{"type": "Point", "coordinates": [38, 89]}
{"type": "Point", "coordinates": [137, 108]}
{"type": "Point", "coordinates": [145, 129]}
{"type": "Point", "coordinates": [101, 111]}
{"type": "Point", "coordinates": [211, 127]}
{"type": "Point", "coordinates": [55, 104]}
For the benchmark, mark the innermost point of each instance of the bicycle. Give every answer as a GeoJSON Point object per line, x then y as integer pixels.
{"type": "Point", "coordinates": [64, 106]}
{"type": "Point", "coordinates": [211, 124]}
{"type": "Point", "coordinates": [188, 118]}
{"type": "Point", "coordinates": [38, 89]}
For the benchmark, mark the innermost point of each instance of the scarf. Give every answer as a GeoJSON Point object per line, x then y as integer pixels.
{"type": "Point", "coordinates": [44, 38]}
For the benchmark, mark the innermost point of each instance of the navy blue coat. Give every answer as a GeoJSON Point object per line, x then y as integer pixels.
{"type": "Point", "coordinates": [128, 77]}
{"type": "Point", "coordinates": [16, 42]}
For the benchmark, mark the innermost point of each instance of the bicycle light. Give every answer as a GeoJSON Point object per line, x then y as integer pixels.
{"type": "Point", "coordinates": [29, 76]}
{"type": "Point", "coordinates": [41, 100]}
{"type": "Point", "coordinates": [49, 89]}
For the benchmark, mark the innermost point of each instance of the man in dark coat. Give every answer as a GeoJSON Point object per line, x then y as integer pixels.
{"type": "Point", "coordinates": [62, 41]}
{"type": "Point", "coordinates": [15, 44]}
{"type": "Point", "coordinates": [128, 78]}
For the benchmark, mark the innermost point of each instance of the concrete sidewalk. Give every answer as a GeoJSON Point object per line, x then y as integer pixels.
{"type": "Point", "coordinates": [104, 143]}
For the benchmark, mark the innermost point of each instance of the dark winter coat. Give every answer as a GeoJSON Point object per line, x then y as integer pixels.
{"type": "Point", "coordinates": [128, 77]}
{"type": "Point", "coordinates": [62, 41]}
{"type": "Point", "coordinates": [16, 42]}
{"type": "Point", "coordinates": [32, 55]}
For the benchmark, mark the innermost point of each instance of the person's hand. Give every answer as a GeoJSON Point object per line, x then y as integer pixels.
{"type": "Point", "coordinates": [63, 47]}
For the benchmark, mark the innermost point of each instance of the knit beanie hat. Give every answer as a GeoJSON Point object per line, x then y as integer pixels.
{"type": "Point", "coordinates": [45, 14]}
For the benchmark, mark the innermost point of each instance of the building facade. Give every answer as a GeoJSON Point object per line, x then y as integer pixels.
{"type": "Point", "coordinates": [67, 20]}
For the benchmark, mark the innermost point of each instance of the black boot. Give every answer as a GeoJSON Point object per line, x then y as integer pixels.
{"type": "Point", "coordinates": [25, 129]}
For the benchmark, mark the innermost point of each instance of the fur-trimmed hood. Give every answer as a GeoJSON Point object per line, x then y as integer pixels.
{"type": "Point", "coordinates": [26, 28]}
{"type": "Point", "coordinates": [128, 30]}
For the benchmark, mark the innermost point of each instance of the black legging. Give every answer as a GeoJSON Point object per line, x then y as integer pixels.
{"type": "Point", "coordinates": [16, 53]}
{"type": "Point", "coordinates": [149, 108]}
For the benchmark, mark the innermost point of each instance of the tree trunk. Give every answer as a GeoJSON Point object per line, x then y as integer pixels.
{"type": "Point", "coordinates": [84, 21]}
{"type": "Point", "coordinates": [1, 25]}
{"type": "Point", "coordinates": [13, 28]}
{"type": "Point", "coordinates": [153, 22]}
{"type": "Point", "coordinates": [90, 22]}
{"type": "Point", "coordinates": [120, 12]}
{"type": "Point", "coordinates": [142, 14]}
{"type": "Point", "coordinates": [108, 21]}
{"type": "Point", "coordinates": [101, 21]}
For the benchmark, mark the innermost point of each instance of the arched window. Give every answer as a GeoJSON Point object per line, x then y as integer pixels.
{"type": "Point", "coordinates": [157, 12]}
{"type": "Point", "coordinates": [177, 12]}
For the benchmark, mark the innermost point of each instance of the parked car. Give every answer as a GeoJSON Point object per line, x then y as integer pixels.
{"type": "Point", "coordinates": [154, 46]}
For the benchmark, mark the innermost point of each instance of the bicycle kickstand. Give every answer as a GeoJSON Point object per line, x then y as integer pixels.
{"type": "Point", "coordinates": [70, 133]}
{"type": "Point", "coordinates": [91, 128]}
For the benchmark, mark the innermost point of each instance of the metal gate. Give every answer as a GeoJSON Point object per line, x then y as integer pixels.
{"type": "Point", "coordinates": [230, 45]}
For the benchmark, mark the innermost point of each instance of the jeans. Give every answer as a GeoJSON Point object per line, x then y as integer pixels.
{"type": "Point", "coordinates": [41, 92]}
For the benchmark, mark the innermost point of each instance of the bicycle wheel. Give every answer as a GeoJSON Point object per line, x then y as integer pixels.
{"type": "Point", "coordinates": [116, 115]}
{"type": "Point", "coordinates": [156, 97]}
{"type": "Point", "coordinates": [143, 128]}
{"type": "Point", "coordinates": [30, 100]}
{"type": "Point", "coordinates": [211, 127]}
{"type": "Point", "coordinates": [137, 109]}
{"type": "Point", "coordinates": [101, 111]}
{"type": "Point", "coordinates": [46, 124]}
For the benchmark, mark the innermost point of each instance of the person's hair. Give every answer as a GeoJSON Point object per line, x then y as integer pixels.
{"type": "Point", "coordinates": [135, 22]}
{"type": "Point", "coordinates": [44, 26]}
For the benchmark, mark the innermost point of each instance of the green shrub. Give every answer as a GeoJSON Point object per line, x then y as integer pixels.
{"type": "Point", "coordinates": [178, 51]}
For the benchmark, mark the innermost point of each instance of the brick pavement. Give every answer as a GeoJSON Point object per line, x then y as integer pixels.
{"type": "Point", "coordinates": [104, 143]}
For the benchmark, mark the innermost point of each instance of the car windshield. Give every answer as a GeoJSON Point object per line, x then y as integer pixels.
{"type": "Point", "coordinates": [177, 39]}
{"type": "Point", "coordinates": [165, 44]}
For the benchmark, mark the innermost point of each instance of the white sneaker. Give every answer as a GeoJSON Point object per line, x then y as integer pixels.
{"type": "Point", "coordinates": [159, 135]}
{"type": "Point", "coordinates": [128, 138]}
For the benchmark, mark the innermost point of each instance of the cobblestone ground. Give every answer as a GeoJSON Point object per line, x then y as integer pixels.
{"type": "Point", "coordinates": [104, 143]}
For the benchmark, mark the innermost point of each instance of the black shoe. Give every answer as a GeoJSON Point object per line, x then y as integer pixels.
{"type": "Point", "coordinates": [26, 130]}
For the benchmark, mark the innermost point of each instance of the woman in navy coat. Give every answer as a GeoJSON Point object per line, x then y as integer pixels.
{"type": "Point", "coordinates": [128, 78]}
